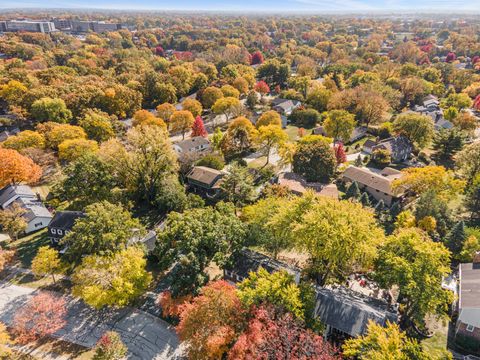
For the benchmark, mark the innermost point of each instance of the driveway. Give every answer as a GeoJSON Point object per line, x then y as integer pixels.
{"type": "Point", "coordinates": [146, 336]}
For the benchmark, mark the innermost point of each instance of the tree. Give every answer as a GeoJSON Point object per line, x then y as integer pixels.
{"type": "Point", "coordinates": [468, 161]}
{"type": "Point", "coordinates": [145, 118]}
{"type": "Point", "coordinates": [17, 168]}
{"type": "Point", "coordinates": [25, 139]}
{"type": "Point", "coordinates": [382, 157]}
{"type": "Point", "coordinates": [48, 109]}
{"type": "Point", "coordinates": [340, 154]}
{"type": "Point", "coordinates": [239, 138]}
{"type": "Point", "coordinates": [447, 143]}
{"type": "Point", "coordinates": [238, 185]}
{"type": "Point", "coordinates": [241, 85]}
{"type": "Point", "coordinates": [431, 204]}
{"type": "Point", "coordinates": [213, 161]}
{"type": "Point", "coordinates": [43, 315]}
{"type": "Point", "coordinates": [270, 137]}
{"type": "Point", "coordinates": [112, 280]}
{"type": "Point", "coordinates": [271, 334]}
{"type": "Point", "coordinates": [5, 343]}
{"type": "Point", "coordinates": [105, 230]}
{"type": "Point", "coordinates": [110, 347]}
{"type": "Point", "coordinates": [198, 128]}
{"type": "Point", "coordinates": [228, 106]}
{"type": "Point", "coordinates": [318, 99]}
{"type": "Point", "coordinates": [97, 124]}
{"type": "Point", "coordinates": [339, 124]}
{"type": "Point", "coordinates": [365, 200]}
{"type": "Point", "coordinates": [314, 159]}
{"type": "Point", "coordinates": [262, 88]}
{"type": "Point", "coordinates": [181, 121]}
{"type": "Point", "coordinates": [252, 100]}
{"type": "Point", "coordinates": [46, 262]}
{"type": "Point", "coordinates": [6, 257]}
{"type": "Point", "coordinates": [257, 58]}
{"type": "Point", "coordinates": [210, 96]}
{"type": "Point", "coordinates": [306, 118]}
{"type": "Point", "coordinates": [417, 128]}
{"type": "Point", "coordinates": [384, 343]}
{"type": "Point", "coordinates": [192, 105]}
{"type": "Point", "coordinates": [71, 150]}
{"type": "Point", "coordinates": [13, 221]}
{"type": "Point", "coordinates": [353, 191]}
{"type": "Point", "coordinates": [472, 198]}
{"type": "Point", "coordinates": [450, 113]}
{"type": "Point", "coordinates": [458, 101]}
{"type": "Point", "coordinates": [278, 289]}
{"type": "Point", "coordinates": [55, 133]}
{"type": "Point", "coordinates": [270, 117]}
{"type": "Point", "coordinates": [469, 250]}
{"type": "Point", "coordinates": [455, 239]}
{"type": "Point", "coordinates": [211, 321]}
{"type": "Point", "coordinates": [410, 260]}
{"type": "Point", "coordinates": [195, 238]}
{"type": "Point", "coordinates": [433, 178]}
{"type": "Point", "coordinates": [165, 111]}
{"type": "Point", "coordinates": [230, 91]}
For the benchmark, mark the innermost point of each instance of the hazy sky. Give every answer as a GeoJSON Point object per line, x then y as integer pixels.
{"type": "Point", "coordinates": [256, 5]}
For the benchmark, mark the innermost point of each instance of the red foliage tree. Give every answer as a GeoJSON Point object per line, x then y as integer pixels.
{"type": "Point", "coordinates": [257, 58]}
{"type": "Point", "coordinates": [262, 87]}
{"type": "Point", "coordinates": [171, 306]}
{"type": "Point", "coordinates": [198, 128]}
{"type": "Point", "coordinates": [475, 59]}
{"type": "Point", "coordinates": [476, 103]}
{"type": "Point", "coordinates": [277, 89]}
{"type": "Point", "coordinates": [425, 60]}
{"type": "Point", "coordinates": [275, 335]}
{"type": "Point", "coordinates": [340, 154]}
{"type": "Point", "coordinates": [451, 57]}
{"type": "Point", "coordinates": [159, 51]}
{"type": "Point", "coordinates": [41, 316]}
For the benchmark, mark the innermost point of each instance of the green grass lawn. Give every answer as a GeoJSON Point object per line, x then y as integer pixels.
{"type": "Point", "coordinates": [292, 132]}
{"type": "Point", "coordinates": [357, 145]}
{"type": "Point", "coordinates": [27, 246]}
{"type": "Point", "coordinates": [436, 346]}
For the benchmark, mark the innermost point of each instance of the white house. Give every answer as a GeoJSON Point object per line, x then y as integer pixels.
{"type": "Point", "coordinates": [194, 145]}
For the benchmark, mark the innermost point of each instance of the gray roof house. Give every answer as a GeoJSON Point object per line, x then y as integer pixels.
{"type": "Point", "coordinates": [205, 181]}
{"type": "Point", "coordinates": [196, 144]}
{"type": "Point", "coordinates": [285, 106]}
{"type": "Point", "coordinates": [10, 193]}
{"type": "Point", "coordinates": [61, 224]}
{"type": "Point", "coordinates": [399, 147]}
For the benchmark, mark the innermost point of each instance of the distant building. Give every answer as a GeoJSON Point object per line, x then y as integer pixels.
{"type": "Point", "coordinates": [82, 26]}
{"type": "Point", "coordinates": [285, 106]}
{"type": "Point", "coordinates": [377, 184]}
{"type": "Point", "coordinates": [400, 147]}
{"type": "Point", "coordinates": [61, 224]}
{"type": "Point", "coordinates": [358, 133]}
{"type": "Point", "coordinates": [29, 25]}
{"type": "Point", "coordinates": [196, 144]}
{"type": "Point", "coordinates": [298, 185]}
{"type": "Point", "coordinates": [205, 181]}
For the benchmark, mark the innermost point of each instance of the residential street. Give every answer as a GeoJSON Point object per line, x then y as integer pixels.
{"type": "Point", "coordinates": [146, 336]}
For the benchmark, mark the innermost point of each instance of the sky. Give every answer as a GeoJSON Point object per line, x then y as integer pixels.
{"type": "Point", "coordinates": [274, 6]}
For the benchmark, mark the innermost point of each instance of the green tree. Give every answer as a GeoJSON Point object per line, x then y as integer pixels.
{"type": "Point", "coordinates": [239, 138]}
{"type": "Point", "coordinates": [210, 96]}
{"type": "Point", "coordinates": [112, 280]}
{"type": "Point", "coordinates": [24, 140]}
{"type": "Point", "coordinates": [48, 109]}
{"type": "Point", "coordinates": [353, 191]}
{"type": "Point", "coordinates": [306, 118]}
{"type": "Point", "coordinates": [339, 124]}
{"type": "Point", "coordinates": [238, 185]}
{"type": "Point", "coordinates": [270, 137]}
{"type": "Point", "coordinates": [418, 128]}
{"type": "Point", "coordinates": [70, 150]}
{"type": "Point", "coordinates": [252, 100]}
{"type": "Point", "coordinates": [12, 220]}
{"type": "Point", "coordinates": [365, 200]}
{"type": "Point", "coordinates": [447, 143]}
{"type": "Point", "coordinates": [455, 239]}
{"type": "Point", "coordinates": [110, 347]}
{"type": "Point", "coordinates": [384, 343]}
{"type": "Point", "coordinates": [415, 264]}
{"type": "Point", "coordinates": [46, 262]}
{"type": "Point", "coordinates": [314, 159]}
{"type": "Point", "coordinates": [318, 99]}
{"type": "Point", "coordinates": [97, 124]}
{"type": "Point", "coordinates": [468, 161]}
{"type": "Point", "coordinates": [105, 230]}
{"type": "Point", "coordinates": [472, 198]}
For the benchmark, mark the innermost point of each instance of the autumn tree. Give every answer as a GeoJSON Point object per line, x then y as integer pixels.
{"type": "Point", "coordinates": [145, 118]}
{"type": "Point", "coordinates": [70, 150]}
{"type": "Point", "coordinates": [417, 128]}
{"type": "Point", "coordinates": [270, 117]}
{"type": "Point", "coordinates": [13, 221]}
{"type": "Point", "coordinates": [48, 109]}
{"type": "Point", "coordinates": [468, 161]}
{"type": "Point", "coordinates": [339, 124]}
{"type": "Point", "coordinates": [318, 99]}
{"type": "Point", "coordinates": [262, 88]}
{"type": "Point", "coordinates": [230, 91]}
{"type": "Point", "coordinates": [314, 159]}
{"type": "Point", "coordinates": [198, 128]}
{"type": "Point", "coordinates": [97, 124]}
{"type": "Point", "coordinates": [110, 347]}
{"type": "Point", "coordinates": [270, 137]}
{"type": "Point", "coordinates": [17, 168]}
{"type": "Point", "coordinates": [181, 121]}
{"type": "Point", "coordinates": [165, 111]}
{"type": "Point", "coordinates": [6, 257]}
{"type": "Point", "coordinates": [210, 323]}
{"type": "Point", "coordinates": [340, 154]}
{"type": "Point", "coordinates": [192, 105]}
{"type": "Point", "coordinates": [257, 58]}
{"type": "Point", "coordinates": [238, 185]}
{"type": "Point", "coordinates": [105, 230]}
{"type": "Point", "coordinates": [239, 138]}
{"type": "Point", "coordinates": [25, 139]}
{"type": "Point", "coordinates": [46, 262]}
{"type": "Point", "coordinates": [55, 133]}
{"type": "Point", "coordinates": [111, 280]}
{"type": "Point", "coordinates": [210, 96]}
{"type": "Point", "coordinates": [5, 343]}
{"type": "Point", "coordinates": [43, 315]}
{"type": "Point", "coordinates": [228, 107]}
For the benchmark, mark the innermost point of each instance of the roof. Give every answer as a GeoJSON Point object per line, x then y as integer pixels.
{"type": "Point", "coordinates": [204, 175]}
{"type": "Point", "coordinates": [247, 261]}
{"type": "Point", "coordinates": [395, 144]}
{"type": "Point", "coordinates": [188, 144]}
{"type": "Point", "coordinates": [65, 219]}
{"type": "Point", "coordinates": [285, 104]}
{"type": "Point", "coordinates": [349, 311]}
{"type": "Point", "coordinates": [35, 208]}
{"type": "Point", "coordinates": [150, 240]}
{"type": "Point", "coordinates": [469, 292]}
{"type": "Point", "coordinates": [298, 185]}
{"type": "Point", "coordinates": [359, 131]}
{"type": "Point", "coordinates": [369, 143]}
{"type": "Point", "coordinates": [11, 191]}
{"type": "Point", "coordinates": [372, 179]}
{"type": "Point", "coordinates": [443, 124]}
{"type": "Point", "coordinates": [319, 130]}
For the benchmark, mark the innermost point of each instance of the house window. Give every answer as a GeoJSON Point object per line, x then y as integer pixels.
{"type": "Point", "coordinates": [470, 328]}
{"type": "Point", "coordinates": [38, 224]}
{"type": "Point", "coordinates": [54, 231]}
{"type": "Point", "coordinates": [59, 232]}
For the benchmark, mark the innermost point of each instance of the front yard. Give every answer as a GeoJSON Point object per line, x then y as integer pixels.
{"type": "Point", "coordinates": [27, 247]}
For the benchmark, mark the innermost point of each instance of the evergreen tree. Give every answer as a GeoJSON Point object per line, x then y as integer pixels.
{"type": "Point", "coordinates": [358, 161]}
{"type": "Point", "coordinates": [353, 191]}
{"type": "Point", "coordinates": [365, 200]}
{"type": "Point", "coordinates": [380, 206]}
{"type": "Point", "coordinates": [456, 237]}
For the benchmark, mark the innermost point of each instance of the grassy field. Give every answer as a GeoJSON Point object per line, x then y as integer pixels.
{"type": "Point", "coordinates": [27, 246]}
{"type": "Point", "coordinates": [436, 346]}
{"type": "Point", "coordinates": [292, 132]}
{"type": "Point", "coordinates": [357, 145]}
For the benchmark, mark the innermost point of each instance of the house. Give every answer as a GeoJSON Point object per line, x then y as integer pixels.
{"type": "Point", "coordinates": [319, 130]}
{"type": "Point", "coordinates": [285, 106]}
{"type": "Point", "coordinates": [298, 185]}
{"type": "Point", "coordinates": [400, 148]}
{"type": "Point", "coordinates": [36, 214]}
{"type": "Point", "coordinates": [369, 145]}
{"type": "Point", "coordinates": [205, 181]}
{"type": "Point", "coordinates": [377, 184]}
{"type": "Point", "coordinates": [247, 261]}
{"type": "Point", "coordinates": [61, 224]}
{"type": "Point", "coordinates": [443, 124]}
{"type": "Point", "coordinates": [358, 133]}
{"type": "Point", "coordinates": [467, 328]}
{"type": "Point", "coordinates": [196, 144]}
{"type": "Point", "coordinates": [346, 312]}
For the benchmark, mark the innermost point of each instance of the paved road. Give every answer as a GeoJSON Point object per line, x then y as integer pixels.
{"type": "Point", "coordinates": [146, 336]}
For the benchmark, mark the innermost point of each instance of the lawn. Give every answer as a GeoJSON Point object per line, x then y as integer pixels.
{"type": "Point", "coordinates": [357, 145]}
{"type": "Point", "coordinates": [292, 132]}
{"type": "Point", "coordinates": [436, 346]}
{"type": "Point", "coordinates": [27, 246]}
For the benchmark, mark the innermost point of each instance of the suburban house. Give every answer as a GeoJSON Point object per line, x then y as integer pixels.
{"type": "Point", "coordinates": [319, 130]}
{"type": "Point", "coordinates": [399, 147]}
{"type": "Point", "coordinates": [298, 185]}
{"type": "Point", "coordinates": [247, 261]}
{"type": "Point", "coordinates": [467, 329]}
{"type": "Point", "coordinates": [358, 133]}
{"type": "Point", "coordinates": [377, 184]}
{"type": "Point", "coordinates": [285, 106]}
{"type": "Point", "coordinates": [36, 214]}
{"type": "Point", "coordinates": [196, 144]}
{"type": "Point", "coordinates": [346, 313]}
{"type": "Point", "coordinates": [205, 181]}
{"type": "Point", "coordinates": [61, 224]}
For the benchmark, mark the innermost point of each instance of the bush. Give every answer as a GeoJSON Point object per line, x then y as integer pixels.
{"type": "Point", "coordinates": [306, 118]}
{"type": "Point", "coordinates": [381, 157]}
{"type": "Point", "coordinates": [212, 161]}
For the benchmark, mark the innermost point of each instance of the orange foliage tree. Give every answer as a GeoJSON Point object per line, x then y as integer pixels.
{"type": "Point", "coordinates": [15, 168]}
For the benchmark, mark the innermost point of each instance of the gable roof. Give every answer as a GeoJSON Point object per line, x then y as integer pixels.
{"type": "Point", "coordinates": [11, 191]}
{"type": "Point", "coordinates": [188, 144]}
{"type": "Point", "coordinates": [205, 175]}
{"type": "Point", "coordinates": [65, 219]}
{"type": "Point", "coordinates": [34, 208]}
{"type": "Point", "coordinates": [469, 291]}
{"type": "Point", "coordinates": [372, 179]}
{"type": "Point", "coordinates": [395, 144]}
{"type": "Point", "coordinates": [298, 185]}
{"type": "Point", "coordinates": [285, 104]}
{"type": "Point", "coordinates": [349, 311]}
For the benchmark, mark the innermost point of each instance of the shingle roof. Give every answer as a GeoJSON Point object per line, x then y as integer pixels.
{"type": "Point", "coordinates": [371, 179]}
{"type": "Point", "coordinates": [34, 208]}
{"type": "Point", "coordinates": [298, 185]}
{"type": "Point", "coordinates": [394, 144]}
{"type": "Point", "coordinates": [349, 311]}
{"type": "Point", "coordinates": [469, 294]}
{"type": "Point", "coordinates": [188, 144]}
{"type": "Point", "coordinates": [204, 175]}
{"type": "Point", "coordinates": [65, 219]}
{"type": "Point", "coordinates": [10, 191]}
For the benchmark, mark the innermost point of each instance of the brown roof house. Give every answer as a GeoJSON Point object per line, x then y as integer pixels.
{"type": "Point", "coordinates": [196, 144]}
{"type": "Point", "coordinates": [205, 181]}
{"type": "Point", "coordinates": [467, 329]}
{"type": "Point", "coordinates": [377, 184]}
{"type": "Point", "coordinates": [298, 185]}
